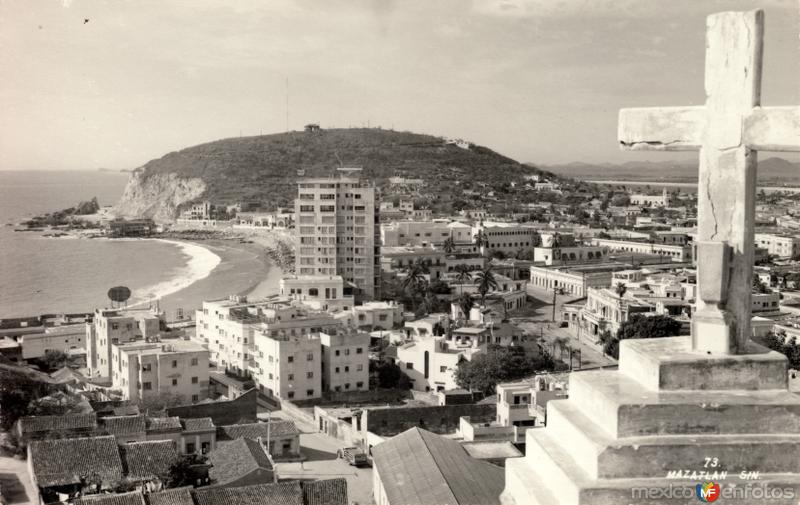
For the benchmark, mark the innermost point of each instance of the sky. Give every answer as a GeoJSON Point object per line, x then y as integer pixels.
{"type": "Point", "coordinates": [91, 83]}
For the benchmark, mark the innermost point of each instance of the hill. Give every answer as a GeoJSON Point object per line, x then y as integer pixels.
{"type": "Point", "coordinates": [264, 169]}
{"type": "Point", "coordinates": [771, 170]}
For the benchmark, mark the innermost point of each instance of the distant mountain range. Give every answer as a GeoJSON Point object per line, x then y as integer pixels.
{"type": "Point", "coordinates": [770, 170]}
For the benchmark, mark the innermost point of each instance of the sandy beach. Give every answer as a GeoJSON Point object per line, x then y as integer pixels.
{"type": "Point", "coordinates": [243, 269]}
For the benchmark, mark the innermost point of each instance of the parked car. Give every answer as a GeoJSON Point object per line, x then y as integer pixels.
{"type": "Point", "coordinates": [354, 456]}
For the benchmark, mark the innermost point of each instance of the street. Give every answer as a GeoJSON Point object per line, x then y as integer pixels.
{"type": "Point", "coordinates": [320, 449]}
{"type": "Point", "coordinates": [541, 324]}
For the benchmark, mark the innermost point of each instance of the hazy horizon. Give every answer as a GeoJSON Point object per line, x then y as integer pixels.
{"type": "Point", "coordinates": [114, 85]}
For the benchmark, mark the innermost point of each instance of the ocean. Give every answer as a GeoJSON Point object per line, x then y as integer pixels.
{"type": "Point", "coordinates": [63, 275]}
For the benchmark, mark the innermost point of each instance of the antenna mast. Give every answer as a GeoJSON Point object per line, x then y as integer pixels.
{"type": "Point", "coordinates": [287, 105]}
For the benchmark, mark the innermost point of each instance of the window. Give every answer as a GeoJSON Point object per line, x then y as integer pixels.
{"type": "Point", "coordinates": [359, 384]}
{"type": "Point", "coordinates": [291, 377]}
{"type": "Point", "coordinates": [290, 359]}
{"type": "Point", "coordinates": [359, 368]}
{"type": "Point", "coordinates": [310, 357]}
{"type": "Point", "coordinates": [195, 398]}
{"type": "Point", "coordinates": [194, 380]}
{"type": "Point", "coordinates": [409, 366]}
{"type": "Point", "coordinates": [190, 449]}
{"type": "Point", "coordinates": [359, 350]}
{"type": "Point", "coordinates": [147, 386]}
{"type": "Point", "coordinates": [309, 375]}
{"type": "Point", "coordinates": [290, 395]}
{"type": "Point", "coordinates": [337, 352]}
{"type": "Point", "coordinates": [174, 363]}
{"type": "Point", "coordinates": [347, 369]}
{"type": "Point", "coordinates": [442, 369]}
{"type": "Point", "coordinates": [309, 392]}
{"type": "Point", "coordinates": [147, 367]}
{"type": "Point", "coordinates": [347, 385]}
{"type": "Point", "coordinates": [174, 382]}
{"type": "Point", "coordinates": [194, 361]}
{"type": "Point", "coordinates": [337, 369]}
{"type": "Point", "coordinates": [347, 352]}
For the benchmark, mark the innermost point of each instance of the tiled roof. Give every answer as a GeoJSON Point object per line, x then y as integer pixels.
{"type": "Point", "coordinates": [199, 424]}
{"type": "Point", "coordinates": [66, 461]}
{"type": "Point", "coordinates": [163, 424]}
{"type": "Point", "coordinates": [284, 493]}
{"type": "Point", "coordinates": [177, 496]}
{"type": "Point", "coordinates": [233, 460]}
{"type": "Point", "coordinates": [123, 425]}
{"type": "Point", "coordinates": [150, 459]}
{"type": "Point", "coordinates": [132, 498]}
{"type": "Point", "coordinates": [276, 429]}
{"type": "Point", "coordinates": [418, 467]}
{"type": "Point", "coordinates": [325, 492]}
{"type": "Point", "coordinates": [34, 424]}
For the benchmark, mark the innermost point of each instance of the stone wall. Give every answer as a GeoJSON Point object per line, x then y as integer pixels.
{"type": "Point", "coordinates": [243, 409]}
{"type": "Point", "coordinates": [438, 419]}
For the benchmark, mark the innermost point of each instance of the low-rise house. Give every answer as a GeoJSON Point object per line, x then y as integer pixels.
{"type": "Point", "coordinates": [125, 428]}
{"type": "Point", "coordinates": [164, 428]}
{"type": "Point", "coordinates": [130, 498]}
{"type": "Point", "coordinates": [176, 496]}
{"type": "Point", "coordinates": [283, 493]}
{"type": "Point", "coordinates": [148, 463]}
{"type": "Point", "coordinates": [241, 462]}
{"type": "Point", "coordinates": [69, 466]}
{"type": "Point", "coordinates": [36, 427]}
{"type": "Point", "coordinates": [418, 467]}
{"type": "Point", "coordinates": [199, 436]}
{"type": "Point", "coordinates": [283, 437]}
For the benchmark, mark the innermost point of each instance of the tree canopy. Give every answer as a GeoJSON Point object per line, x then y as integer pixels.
{"type": "Point", "coordinates": [640, 326]}
{"type": "Point", "coordinates": [499, 364]}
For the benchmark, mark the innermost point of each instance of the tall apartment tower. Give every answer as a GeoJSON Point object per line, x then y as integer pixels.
{"type": "Point", "coordinates": [338, 231]}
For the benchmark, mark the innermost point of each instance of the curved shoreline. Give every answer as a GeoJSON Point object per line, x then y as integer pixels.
{"type": "Point", "coordinates": [201, 263]}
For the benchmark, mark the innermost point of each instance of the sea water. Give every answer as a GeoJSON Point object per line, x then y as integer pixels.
{"type": "Point", "coordinates": [61, 275]}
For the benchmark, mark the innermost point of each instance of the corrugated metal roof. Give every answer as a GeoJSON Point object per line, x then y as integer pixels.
{"type": "Point", "coordinates": [418, 467]}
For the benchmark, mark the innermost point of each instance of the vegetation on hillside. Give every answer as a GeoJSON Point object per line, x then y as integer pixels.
{"type": "Point", "coordinates": [264, 169]}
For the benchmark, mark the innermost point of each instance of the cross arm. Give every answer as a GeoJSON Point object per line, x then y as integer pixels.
{"type": "Point", "coordinates": [773, 129]}
{"type": "Point", "coordinates": [661, 128]}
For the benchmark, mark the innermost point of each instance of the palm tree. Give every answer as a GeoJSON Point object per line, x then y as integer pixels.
{"type": "Point", "coordinates": [463, 274]}
{"type": "Point", "coordinates": [621, 289]}
{"type": "Point", "coordinates": [561, 342]}
{"type": "Point", "coordinates": [486, 282]}
{"type": "Point", "coordinates": [465, 303]}
{"type": "Point", "coordinates": [481, 239]}
{"type": "Point", "coordinates": [413, 281]}
{"type": "Point", "coordinates": [449, 245]}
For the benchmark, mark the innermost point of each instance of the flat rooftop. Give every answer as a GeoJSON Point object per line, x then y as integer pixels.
{"type": "Point", "coordinates": [162, 347]}
{"type": "Point", "coordinates": [491, 450]}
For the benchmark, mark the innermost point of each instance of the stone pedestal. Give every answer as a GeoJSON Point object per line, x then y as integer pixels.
{"type": "Point", "coordinates": [634, 436]}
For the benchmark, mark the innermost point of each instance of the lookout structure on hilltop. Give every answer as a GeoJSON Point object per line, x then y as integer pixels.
{"type": "Point", "coordinates": [699, 406]}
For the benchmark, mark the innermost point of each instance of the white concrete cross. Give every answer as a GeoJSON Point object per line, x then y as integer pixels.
{"type": "Point", "coordinates": [728, 131]}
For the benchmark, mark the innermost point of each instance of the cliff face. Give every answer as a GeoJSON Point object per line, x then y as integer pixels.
{"type": "Point", "coordinates": [158, 196]}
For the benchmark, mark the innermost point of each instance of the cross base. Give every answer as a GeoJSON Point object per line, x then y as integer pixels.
{"type": "Point", "coordinates": [713, 331]}
{"type": "Point", "coordinates": [622, 435]}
